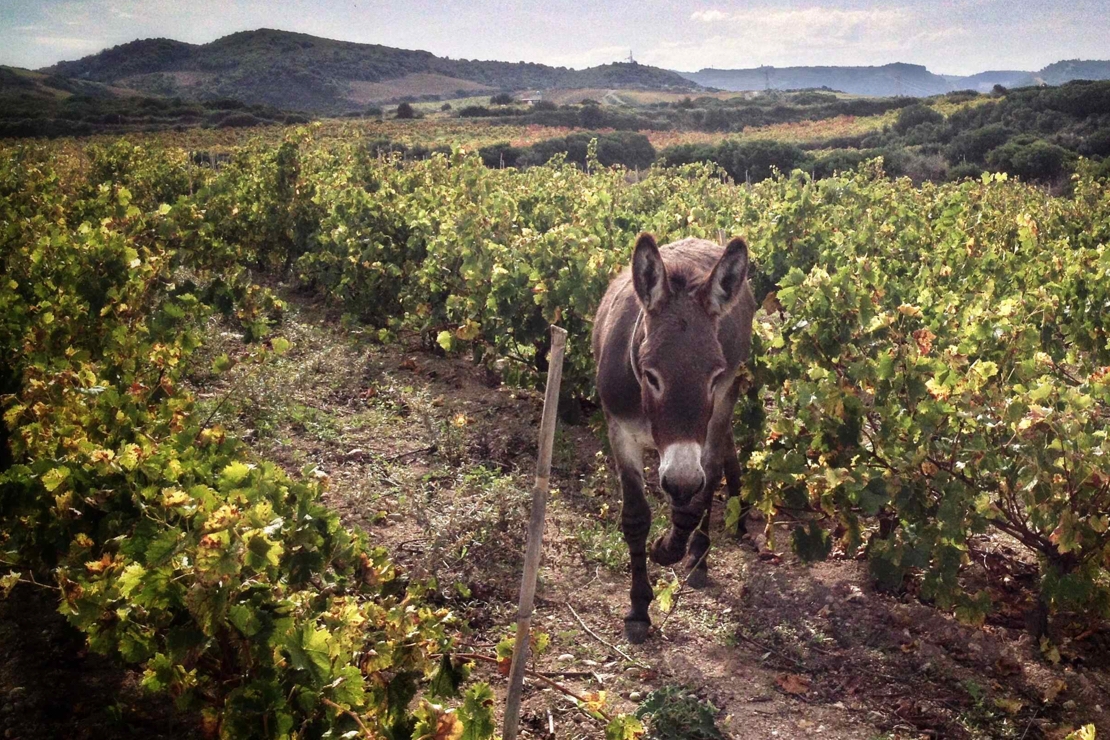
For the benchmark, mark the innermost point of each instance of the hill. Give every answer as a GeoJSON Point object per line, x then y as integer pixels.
{"type": "Point", "coordinates": [985, 81]}
{"type": "Point", "coordinates": [30, 85]}
{"type": "Point", "coordinates": [1074, 69]}
{"type": "Point", "coordinates": [298, 71]}
{"type": "Point", "coordinates": [893, 79]}
{"type": "Point", "coordinates": [1058, 73]}
{"type": "Point", "coordinates": [37, 104]}
{"type": "Point", "coordinates": [887, 80]}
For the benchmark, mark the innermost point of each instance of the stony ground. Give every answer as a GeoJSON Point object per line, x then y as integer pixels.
{"type": "Point", "coordinates": [432, 457]}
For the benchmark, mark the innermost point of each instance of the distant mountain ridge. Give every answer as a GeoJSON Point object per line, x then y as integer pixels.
{"type": "Point", "coordinates": [985, 81]}
{"type": "Point", "coordinates": [298, 71]}
{"type": "Point", "coordinates": [887, 80]}
{"type": "Point", "coordinates": [893, 79]}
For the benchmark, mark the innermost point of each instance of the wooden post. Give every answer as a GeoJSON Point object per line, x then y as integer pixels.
{"type": "Point", "coordinates": [535, 533]}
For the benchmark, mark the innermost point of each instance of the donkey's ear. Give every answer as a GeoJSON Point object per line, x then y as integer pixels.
{"type": "Point", "coordinates": [721, 291]}
{"type": "Point", "coordinates": [649, 275]}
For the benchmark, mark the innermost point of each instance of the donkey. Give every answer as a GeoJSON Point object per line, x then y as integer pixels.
{"type": "Point", "coordinates": [670, 335]}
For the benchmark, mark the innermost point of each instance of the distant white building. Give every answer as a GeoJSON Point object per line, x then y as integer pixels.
{"type": "Point", "coordinates": [533, 98]}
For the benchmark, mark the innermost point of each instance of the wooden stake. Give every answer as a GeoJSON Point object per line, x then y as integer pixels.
{"type": "Point", "coordinates": [535, 533]}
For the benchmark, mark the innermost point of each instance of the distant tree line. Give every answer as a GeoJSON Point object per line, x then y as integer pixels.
{"type": "Point", "coordinates": [1036, 133]}
{"type": "Point", "coordinates": [625, 148]}
{"type": "Point", "coordinates": [691, 114]}
{"type": "Point", "coordinates": [30, 115]}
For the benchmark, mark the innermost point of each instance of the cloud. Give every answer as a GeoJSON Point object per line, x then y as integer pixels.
{"type": "Point", "coordinates": [803, 35]}
{"type": "Point", "coordinates": [70, 43]}
{"type": "Point", "coordinates": [807, 22]}
{"type": "Point", "coordinates": [709, 16]}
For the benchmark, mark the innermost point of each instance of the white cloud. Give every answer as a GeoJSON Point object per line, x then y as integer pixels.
{"type": "Point", "coordinates": [708, 16]}
{"type": "Point", "coordinates": [70, 43]}
{"type": "Point", "coordinates": [809, 22]}
{"type": "Point", "coordinates": [803, 35]}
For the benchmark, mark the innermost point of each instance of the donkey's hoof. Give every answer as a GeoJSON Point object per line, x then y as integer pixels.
{"type": "Point", "coordinates": [662, 555]}
{"type": "Point", "coordinates": [636, 631]}
{"type": "Point", "coordinates": [698, 578]}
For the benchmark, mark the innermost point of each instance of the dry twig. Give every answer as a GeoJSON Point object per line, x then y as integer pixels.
{"type": "Point", "coordinates": [541, 678]}
{"type": "Point", "coordinates": [349, 713]}
{"type": "Point", "coordinates": [607, 644]}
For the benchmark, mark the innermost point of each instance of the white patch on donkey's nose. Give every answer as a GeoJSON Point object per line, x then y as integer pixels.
{"type": "Point", "coordinates": [680, 470]}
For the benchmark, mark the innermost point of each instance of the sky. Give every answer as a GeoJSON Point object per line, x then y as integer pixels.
{"type": "Point", "coordinates": [947, 36]}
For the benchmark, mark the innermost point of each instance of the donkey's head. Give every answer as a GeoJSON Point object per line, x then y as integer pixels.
{"type": "Point", "coordinates": [680, 363]}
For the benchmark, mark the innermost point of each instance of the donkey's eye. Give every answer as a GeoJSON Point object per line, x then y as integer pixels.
{"type": "Point", "coordinates": [653, 381]}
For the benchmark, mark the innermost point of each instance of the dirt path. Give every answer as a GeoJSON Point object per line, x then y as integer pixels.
{"type": "Point", "coordinates": [432, 458]}
{"type": "Point", "coordinates": [612, 98]}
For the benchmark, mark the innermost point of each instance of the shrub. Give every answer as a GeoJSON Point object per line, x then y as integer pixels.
{"type": "Point", "coordinates": [1080, 98]}
{"type": "Point", "coordinates": [405, 111]}
{"type": "Point", "coordinates": [916, 115]}
{"type": "Point", "coordinates": [229, 584]}
{"type": "Point", "coordinates": [1032, 159]}
{"type": "Point", "coordinates": [973, 146]}
{"type": "Point", "coordinates": [961, 96]}
{"type": "Point", "coordinates": [843, 160]}
{"type": "Point", "coordinates": [240, 120]}
{"type": "Point", "coordinates": [475, 111]}
{"type": "Point", "coordinates": [501, 99]}
{"type": "Point", "coordinates": [591, 116]}
{"type": "Point", "coordinates": [927, 134]}
{"type": "Point", "coordinates": [623, 148]}
{"type": "Point", "coordinates": [500, 155]}
{"type": "Point", "coordinates": [748, 160]}
{"type": "Point", "coordinates": [1101, 171]}
{"type": "Point", "coordinates": [673, 712]}
{"type": "Point", "coordinates": [1097, 144]}
{"type": "Point", "coordinates": [810, 97]}
{"type": "Point", "coordinates": [964, 171]}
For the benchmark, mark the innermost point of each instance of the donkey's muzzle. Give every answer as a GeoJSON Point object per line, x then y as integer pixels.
{"type": "Point", "coordinates": [680, 472]}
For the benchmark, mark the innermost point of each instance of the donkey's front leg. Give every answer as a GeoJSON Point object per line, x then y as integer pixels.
{"type": "Point", "coordinates": [670, 547]}
{"type": "Point", "coordinates": [635, 523]}
{"type": "Point", "coordinates": [698, 561]}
